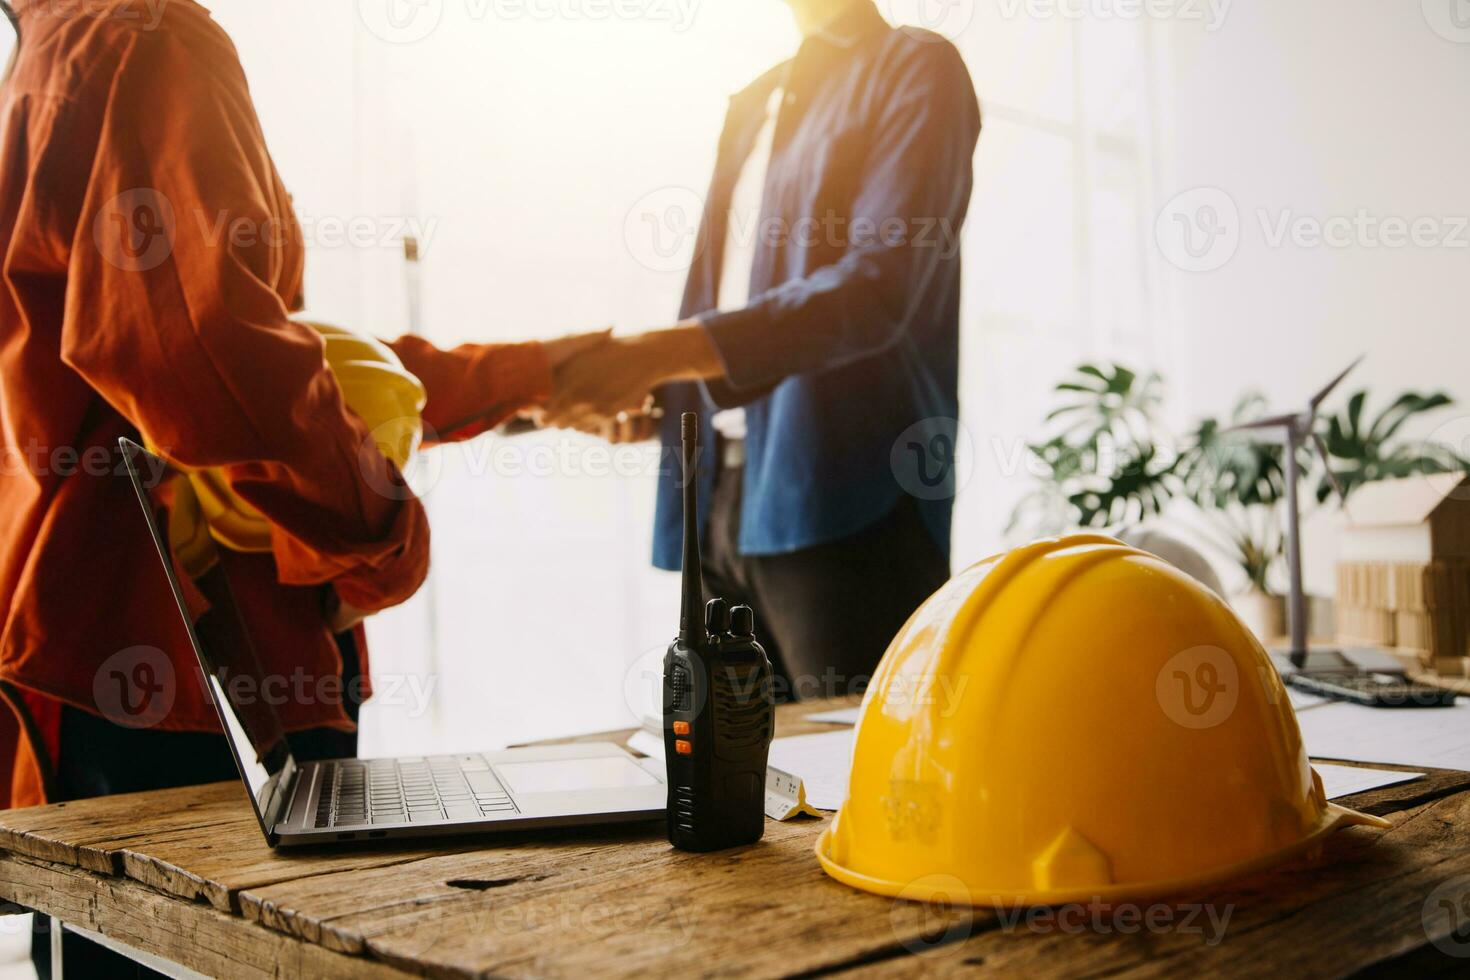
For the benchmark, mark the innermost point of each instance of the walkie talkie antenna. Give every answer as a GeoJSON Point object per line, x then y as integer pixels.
{"type": "Point", "coordinates": [691, 602]}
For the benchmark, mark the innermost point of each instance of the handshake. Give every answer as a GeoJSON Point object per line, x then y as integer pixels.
{"type": "Point", "coordinates": [603, 385]}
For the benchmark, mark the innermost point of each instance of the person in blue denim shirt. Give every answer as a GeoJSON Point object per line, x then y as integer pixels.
{"type": "Point", "coordinates": [819, 340]}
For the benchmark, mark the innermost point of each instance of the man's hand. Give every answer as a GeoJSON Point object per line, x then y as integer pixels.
{"type": "Point", "coordinates": [596, 388]}
{"type": "Point", "coordinates": [563, 349]}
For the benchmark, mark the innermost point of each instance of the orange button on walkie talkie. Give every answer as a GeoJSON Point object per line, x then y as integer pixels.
{"type": "Point", "coordinates": [681, 728]}
{"type": "Point", "coordinates": [683, 746]}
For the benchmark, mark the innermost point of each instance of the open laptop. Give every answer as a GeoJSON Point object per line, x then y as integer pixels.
{"type": "Point", "coordinates": [363, 799]}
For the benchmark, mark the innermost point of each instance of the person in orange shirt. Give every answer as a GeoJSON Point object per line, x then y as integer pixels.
{"type": "Point", "coordinates": [129, 141]}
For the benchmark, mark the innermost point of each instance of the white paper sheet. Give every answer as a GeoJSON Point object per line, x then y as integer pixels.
{"type": "Point", "coordinates": [1433, 737]}
{"type": "Point", "coordinates": [821, 762]}
{"type": "Point", "coordinates": [648, 743]}
{"type": "Point", "coordinates": [1345, 780]}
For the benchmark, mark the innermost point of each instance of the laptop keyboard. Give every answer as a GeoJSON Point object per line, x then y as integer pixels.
{"type": "Point", "coordinates": [394, 791]}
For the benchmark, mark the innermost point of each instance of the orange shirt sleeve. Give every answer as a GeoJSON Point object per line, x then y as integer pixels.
{"type": "Point", "coordinates": [474, 387]}
{"type": "Point", "coordinates": [186, 259]}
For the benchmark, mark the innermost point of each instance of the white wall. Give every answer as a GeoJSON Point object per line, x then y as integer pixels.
{"type": "Point", "coordinates": [1320, 109]}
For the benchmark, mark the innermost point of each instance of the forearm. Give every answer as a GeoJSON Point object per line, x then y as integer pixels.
{"type": "Point", "coordinates": [680, 353]}
{"type": "Point", "coordinates": [852, 309]}
{"type": "Point", "coordinates": [474, 387]}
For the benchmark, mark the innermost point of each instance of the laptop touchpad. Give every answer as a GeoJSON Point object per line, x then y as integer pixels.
{"type": "Point", "coordinates": [573, 775]}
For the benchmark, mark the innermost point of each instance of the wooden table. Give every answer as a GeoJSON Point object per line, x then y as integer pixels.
{"type": "Point", "coordinates": [183, 875]}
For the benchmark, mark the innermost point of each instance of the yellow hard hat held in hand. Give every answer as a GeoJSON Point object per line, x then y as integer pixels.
{"type": "Point", "coordinates": [1075, 720]}
{"type": "Point", "coordinates": [375, 386]}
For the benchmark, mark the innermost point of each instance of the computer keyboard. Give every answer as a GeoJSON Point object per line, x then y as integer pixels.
{"type": "Point", "coordinates": [419, 790]}
{"type": "Point", "coordinates": [1373, 690]}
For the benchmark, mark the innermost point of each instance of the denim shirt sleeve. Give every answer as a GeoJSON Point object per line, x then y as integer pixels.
{"type": "Point", "coordinates": [913, 193]}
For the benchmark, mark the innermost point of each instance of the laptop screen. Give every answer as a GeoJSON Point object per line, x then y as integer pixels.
{"type": "Point", "coordinates": [222, 644]}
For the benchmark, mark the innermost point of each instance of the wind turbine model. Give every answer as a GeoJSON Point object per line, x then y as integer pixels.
{"type": "Point", "coordinates": [1330, 674]}
{"type": "Point", "coordinates": [1298, 429]}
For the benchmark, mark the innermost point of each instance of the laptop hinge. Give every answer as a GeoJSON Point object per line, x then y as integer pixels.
{"type": "Point", "coordinates": [276, 804]}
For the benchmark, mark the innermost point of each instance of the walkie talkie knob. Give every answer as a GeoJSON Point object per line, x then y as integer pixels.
{"type": "Point", "coordinates": [742, 621]}
{"type": "Point", "coordinates": [716, 616]}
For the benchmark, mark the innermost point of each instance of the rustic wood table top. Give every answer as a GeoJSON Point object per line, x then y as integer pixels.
{"type": "Point", "coordinates": [185, 875]}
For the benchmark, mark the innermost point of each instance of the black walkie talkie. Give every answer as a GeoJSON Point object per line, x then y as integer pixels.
{"type": "Point", "coordinates": [719, 713]}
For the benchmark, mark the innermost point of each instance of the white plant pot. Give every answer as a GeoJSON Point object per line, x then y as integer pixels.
{"type": "Point", "coordinates": [1264, 614]}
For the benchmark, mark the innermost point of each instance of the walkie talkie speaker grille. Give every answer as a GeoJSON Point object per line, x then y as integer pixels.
{"type": "Point", "coordinates": [1074, 721]}
{"type": "Point", "coordinates": [742, 719]}
{"type": "Point", "coordinates": [682, 688]}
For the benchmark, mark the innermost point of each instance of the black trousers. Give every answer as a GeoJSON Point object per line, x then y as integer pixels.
{"type": "Point", "coordinates": [99, 758]}
{"type": "Point", "coordinates": [825, 614]}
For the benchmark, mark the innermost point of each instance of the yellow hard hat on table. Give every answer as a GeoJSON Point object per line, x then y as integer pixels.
{"type": "Point", "coordinates": [375, 386]}
{"type": "Point", "coordinates": [1075, 720]}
